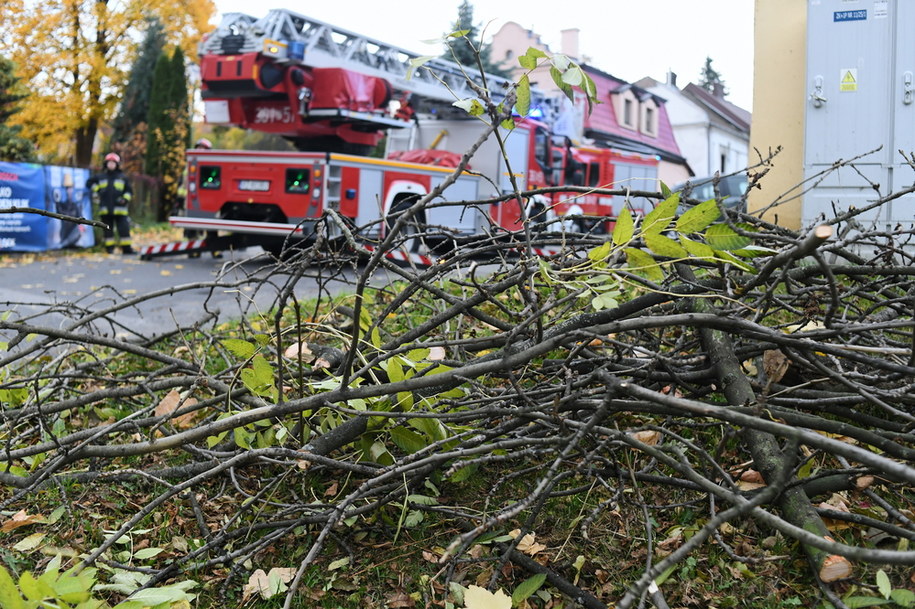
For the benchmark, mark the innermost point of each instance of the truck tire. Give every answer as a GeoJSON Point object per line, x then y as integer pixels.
{"type": "Point", "coordinates": [411, 234]}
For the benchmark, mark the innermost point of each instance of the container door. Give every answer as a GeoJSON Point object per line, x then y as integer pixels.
{"type": "Point", "coordinates": [850, 52]}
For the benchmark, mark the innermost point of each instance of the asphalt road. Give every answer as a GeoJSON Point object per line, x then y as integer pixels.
{"type": "Point", "coordinates": [49, 288]}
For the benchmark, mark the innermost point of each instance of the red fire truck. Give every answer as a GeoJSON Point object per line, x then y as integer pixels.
{"type": "Point", "coordinates": [336, 95]}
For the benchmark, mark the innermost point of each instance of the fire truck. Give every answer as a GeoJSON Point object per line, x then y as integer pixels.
{"type": "Point", "coordinates": [337, 95]}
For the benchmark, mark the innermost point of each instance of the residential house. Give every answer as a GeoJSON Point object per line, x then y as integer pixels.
{"type": "Point", "coordinates": [628, 118]}
{"type": "Point", "coordinates": [713, 134]}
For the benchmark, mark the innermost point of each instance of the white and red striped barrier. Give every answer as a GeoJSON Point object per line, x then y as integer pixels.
{"type": "Point", "coordinates": [176, 247]}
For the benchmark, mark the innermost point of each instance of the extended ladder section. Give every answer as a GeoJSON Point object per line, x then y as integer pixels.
{"type": "Point", "coordinates": [293, 38]}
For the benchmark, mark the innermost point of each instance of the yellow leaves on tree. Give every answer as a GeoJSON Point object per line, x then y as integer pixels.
{"type": "Point", "coordinates": [74, 55]}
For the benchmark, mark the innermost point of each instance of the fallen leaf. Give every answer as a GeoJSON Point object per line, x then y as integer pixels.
{"type": "Point", "coordinates": [775, 364]}
{"type": "Point", "coordinates": [269, 584]}
{"type": "Point", "coordinates": [21, 519]}
{"type": "Point", "coordinates": [293, 351]}
{"type": "Point", "coordinates": [527, 545]}
{"type": "Point", "coordinates": [170, 403]}
{"type": "Point", "coordinates": [399, 599]}
{"type": "Point", "coordinates": [165, 272]}
{"type": "Point", "coordinates": [332, 489]}
{"type": "Point", "coordinates": [749, 486]}
{"type": "Point", "coordinates": [29, 543]}
{"type": "Point", "coordinates": [648, 436]}
{"type": "Point", "coordinates": [476, 597]}
{"type": "Point", "coordinates": [751, 475]}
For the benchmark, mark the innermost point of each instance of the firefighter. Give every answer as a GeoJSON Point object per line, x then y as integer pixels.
{"type": "Point", "coordinates": [113, 193]}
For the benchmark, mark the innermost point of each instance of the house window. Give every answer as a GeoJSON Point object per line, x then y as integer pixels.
{"type": "Point", "coordinates": [649, 121]}
{"type": "Point", "coordinates": [627, 113]}
{"type": "Point", "coordinates": [509, 54]}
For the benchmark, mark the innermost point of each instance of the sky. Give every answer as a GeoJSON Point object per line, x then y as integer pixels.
{"type": "Point", "coordinates": [629, 39]}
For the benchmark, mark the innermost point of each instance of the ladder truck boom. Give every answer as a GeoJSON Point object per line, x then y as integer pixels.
{"type": "Point", "coordinates": [320, 73]}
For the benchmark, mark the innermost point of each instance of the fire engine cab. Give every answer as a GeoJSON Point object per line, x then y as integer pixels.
{"type": "Point", "coordinates": [336, 95]}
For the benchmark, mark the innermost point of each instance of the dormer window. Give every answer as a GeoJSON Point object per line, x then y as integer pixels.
{"type": "Point", "coordinates": [649, 119]}
{"type": "Point", "coordinates": [626, 106]}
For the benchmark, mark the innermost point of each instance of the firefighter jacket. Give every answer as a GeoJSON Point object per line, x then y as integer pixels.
{"type": "Point", "coordinates": [112, 191]}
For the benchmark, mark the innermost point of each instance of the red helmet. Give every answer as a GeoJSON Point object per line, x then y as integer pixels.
{"type": "Point", "coordinates": [111, 156]}
{"type": "Point", "coordinates": [203, 143]}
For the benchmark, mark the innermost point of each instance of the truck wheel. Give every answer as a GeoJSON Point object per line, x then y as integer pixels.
{"type": "Point", "coordinates": [411, 234]}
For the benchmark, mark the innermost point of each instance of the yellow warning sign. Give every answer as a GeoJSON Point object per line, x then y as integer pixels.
{"type": "Point", "coordinates": [848, 79]}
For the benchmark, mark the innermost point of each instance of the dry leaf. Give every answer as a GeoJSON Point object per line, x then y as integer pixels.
{"type": "Point", "coordinates": [862, 482]}
{"type": "Point", "coordinates": [170, 403]}
{"type": "Point", "coordinates": [527, 544]}
{"type": "Point", "coordinates": [436, 354]}
{"type": "Point", "coordinates": [332, 490]}
{"type": "Point", "coordinates": [476, 597]}
{"type": "Point", "coordinates": [749, 486]}
{"type": "Point", "coordinates": [751, 475]}
{"type": "Point", "coordinates": [775, 364]}
{"type": "Point", "coordinates": [648, 436]}
{"type": "Point", "coordinates": [293, 350]}
{"type": "Point", "coordinates": [429, 556]}
{"type": "Point", "coordinates": [267, 584]}
{"type": "Point", "coordinates": [21, 519]}
{"type": "Point", "coordinates": [399, 599]}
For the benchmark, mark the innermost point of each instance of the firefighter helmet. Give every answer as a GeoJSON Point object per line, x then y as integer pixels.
{"type": "Point", "coordinates": [203, 143]}
{"type": "Point", "coordinates": [112, 156]}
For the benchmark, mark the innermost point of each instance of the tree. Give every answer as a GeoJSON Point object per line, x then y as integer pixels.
{"type": "Point", "coordinates": [13, 147]}
{"type": "Point", "coordinates": [168, 120]}
{"type": "Point", "coordinates": [710, 79]}
{"type": "Point", "coordinates": [468, 50]}
{"type": "Point", "coordinates": [73, 56]}
{"type": "Point", "coordinates": [129, 126]}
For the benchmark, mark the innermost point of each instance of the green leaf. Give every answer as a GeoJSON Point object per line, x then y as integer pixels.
{"type": "Point", "coordinates": [643, 264]}
{"type": "Point", "coordinates": [883, 583]}
{"type": "Point", "coordinates": [9, 592]}
{"type": "Point", "coordinates": [665, 190]}
{"type": "Point", "coordinates": [624, 229]}
{"type": "Point", "coordinates": [74, 588]}
{"type": "Point", "coordinates": [529, 59]}
{"type": "Point", "coordinates": [573, 77]}
{"type": "Point", "coordinates": [395, 370]}
{"type": "Point", "coordinates": [239, 348]}
{"type": "Point", "coordinates": [697, 249]}
{"type": "Point", "coordinates": [727, 257]}
{"type": "Point", "coordinates": [422, 499]}
{"type": "Point", "coordinates": [527, 587]}
{"type": "Point", "coordinates": [407, 440]}
{"type": "Point", "coordinates": [338, 564]}
{"type": "Point", "coordinates": [413, 518]}
{"type": "Point", "coordinates": [376, 338]}
{"type": "Point", "coordinates": [903, 598]}
{"type": "Point", "coordinates": [432, 428]}
{"type": "Point", "coordinates": [600, 252]}
{"type": "Point", "coordinates": [418, 62]}
{"type": "Point", "coordinates": [556, 75]}
{"type": "Point", "coordinates": [699, 217]}
{"type": "Point", "coordinates": [664, 246]}
{"type": "Point", "coordinates": [659, 218]}
{"type": "Point", "coordinates": [723, 237]}
{"type": "Point", "coordinates": [854, 602]}
{"type": "Point", "coordinates": [471, 106]}
{"type": "Point", "coordinates": [145, 553]}
{"type": "Point", "coordinates": [458, 33]}
{"type": "Point", "coordinates": [151, 597]}
{"type": "Point", "coordinates": [418, 355]}
{"type": "Point", "coordinates": [32, 589]}
{"type": "Point", "coordinates": [523, 103]}
{"type": "Point", "coordinates": [463, 474]}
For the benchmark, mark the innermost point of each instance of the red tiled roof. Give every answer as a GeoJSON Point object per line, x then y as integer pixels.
{"type": "Point", "coordinates": [603, 117]}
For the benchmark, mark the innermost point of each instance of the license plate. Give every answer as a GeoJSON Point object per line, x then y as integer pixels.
{"type": "Point", "coordinates": [257, 185]}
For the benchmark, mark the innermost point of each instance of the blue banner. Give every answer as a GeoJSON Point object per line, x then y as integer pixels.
{"type": "Point", "coordinates": [66, 193]}
{"type": "Point", "coordinates": [51, 188]}
{"type": "Point", "coordinates": [22, 185]}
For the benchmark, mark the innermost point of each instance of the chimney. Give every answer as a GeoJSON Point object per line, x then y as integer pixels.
{"type": "Point", "coordinates": [671, 78]}
{"type": "Point", "coordinates": [570, 42]}
{"type": "Point", "coordinates": [718, 90]}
